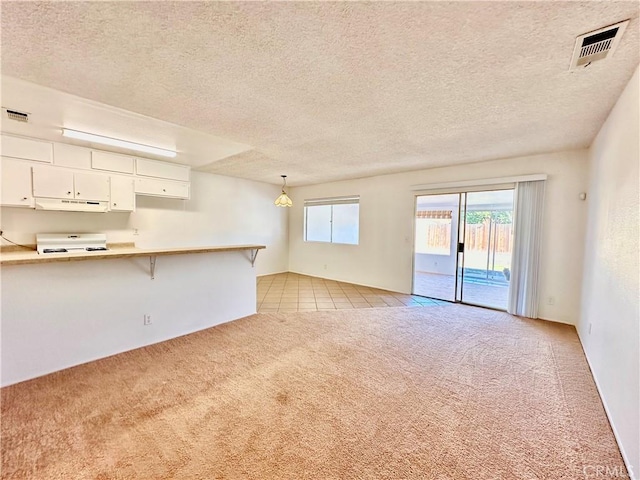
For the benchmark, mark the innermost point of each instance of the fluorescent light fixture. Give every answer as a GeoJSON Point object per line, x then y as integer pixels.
{"type": "Point", "coordinates": [114, 142]}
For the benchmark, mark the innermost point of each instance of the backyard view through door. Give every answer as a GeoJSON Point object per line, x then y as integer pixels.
{"type": "Point", "coordinates": [463, 247]}
{"type": "Point", "coordinates": [435, 262]}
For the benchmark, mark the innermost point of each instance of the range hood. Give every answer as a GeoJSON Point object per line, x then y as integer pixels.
{"type": "Point", "coordinates": [65, 205]}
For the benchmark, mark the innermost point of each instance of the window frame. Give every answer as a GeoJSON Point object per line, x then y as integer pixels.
{"type": "Point", "coordinates": [330, 201]}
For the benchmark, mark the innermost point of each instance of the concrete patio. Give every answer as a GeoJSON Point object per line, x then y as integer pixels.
{"type": "Point", "coordinates": [476, 290]}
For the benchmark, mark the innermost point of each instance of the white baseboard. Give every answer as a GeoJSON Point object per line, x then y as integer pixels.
{"type": "Point", "coordinates": [347, 281]}
{"type": "Point", "coordinates": [557, 321]}
{"type": "Point", "coordinates": [625, 459]}
{"type": "Point", "coordinates": [272, 273]}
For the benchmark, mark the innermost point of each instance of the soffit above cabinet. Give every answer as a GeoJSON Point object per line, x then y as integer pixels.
{"type": "Point", "coordinates": [51, 110]}
{"type": "Point", "coordinates": [71, 157]}
{"type": "Point", "coordinates": [27, 149]}
{"type": "Point", "coordinates": [112, 162]}
{"type": "Point", "coordinates": [151, 168]}
{"type": "Point", "coordinates": [80, 158]}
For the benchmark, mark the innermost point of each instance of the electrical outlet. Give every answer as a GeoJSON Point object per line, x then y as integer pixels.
{"type": "Point", "coordinates": [325, 266]}
{"type": "Point", "coordinates": [135, 231]}
{"type": "Point", "coordinates": [147, 319]}
{"type": "Point", "coordinates": [551, 300]}
{"type": "Point", "coordinates": [590, 328]}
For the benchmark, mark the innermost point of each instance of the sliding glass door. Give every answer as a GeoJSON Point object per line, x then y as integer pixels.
{"type": "Point", "coordinates": [488, 243]}
{"type": "Point", "coordinates": [436, 243]}
{"type": "Point", "coordinates": [463, 246]}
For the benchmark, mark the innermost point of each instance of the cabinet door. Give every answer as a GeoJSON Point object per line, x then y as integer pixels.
{"type": "Point", "coordinates": [111, 162]}
{"type": "Point", "coordinates": [16, 184]}
{"type": "Point", "coordinates": [71, 156]}
{"type": "Point", "coordinates": [162, 188]}
{"type": "Point", "coordinates": [123, 197]}
{"type": "Point", "coordinates": [171, 171]}
{"type": "Point", "coordinates": [52, 182]}
{"type": "Point", "coordinates": [91, 186]}
{"type": "Point", "coordinates": [27, 149]}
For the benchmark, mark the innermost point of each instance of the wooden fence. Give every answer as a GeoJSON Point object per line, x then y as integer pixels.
{"type": "Point", "coordinates": [438, 237]}
{"type": "Point", "coordinates": [477, 236]}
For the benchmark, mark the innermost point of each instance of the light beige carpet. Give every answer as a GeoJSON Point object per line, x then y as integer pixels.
{"type": "Point", "coordinates": [397, 393]}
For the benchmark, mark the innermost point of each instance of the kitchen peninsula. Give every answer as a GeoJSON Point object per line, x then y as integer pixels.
{"type": "Point", "coordinates": [23, 256]}
{"type": "Point", "coordinates": [65, 309]}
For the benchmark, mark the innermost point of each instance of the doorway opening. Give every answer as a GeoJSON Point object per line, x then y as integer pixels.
{"type": "Point", "coordinates": [463, 246]}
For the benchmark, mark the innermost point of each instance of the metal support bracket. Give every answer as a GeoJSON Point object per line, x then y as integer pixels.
{"type": "Point", "coordinates": [253, 254]}
{"type": "Point", "coordinates": [152, 266]}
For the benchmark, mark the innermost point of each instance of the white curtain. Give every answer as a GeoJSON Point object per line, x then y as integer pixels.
{"type": "Point", "coordinates": [527, 238]}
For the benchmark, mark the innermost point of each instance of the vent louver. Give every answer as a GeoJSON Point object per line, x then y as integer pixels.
{"type": "Point", "coordinates": [17, 116]}
{"type": "Point", "coordinates": [597, 45]}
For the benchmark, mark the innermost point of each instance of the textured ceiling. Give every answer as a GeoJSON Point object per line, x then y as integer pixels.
{"type": "Point", "coordinates": [326, 91]}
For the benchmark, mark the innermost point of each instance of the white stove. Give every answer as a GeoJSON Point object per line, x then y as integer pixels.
{"type": "Point", "coordinates": [50, 243]}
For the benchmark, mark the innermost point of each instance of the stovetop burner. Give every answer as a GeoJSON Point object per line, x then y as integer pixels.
{"type": "Point", "coordinates": [52, 243]}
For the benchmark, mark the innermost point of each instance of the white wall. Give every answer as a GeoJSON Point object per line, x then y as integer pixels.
{"type": "Point", "coordinates": [440, 264]}
{"type": "Point", "coordinates": [222, 211]}
{"type": "Point", "coordinates": [58, 315]}
{"type": "Point", "coordinates": [384, 256]}
{"type": "Point", "coordinates": [609, 323]}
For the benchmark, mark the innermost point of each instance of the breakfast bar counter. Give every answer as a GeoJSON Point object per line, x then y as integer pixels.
{"type": "Point", "coordinates": [24, 256]}
{"type": "Point", "coordinates": [60, 310]}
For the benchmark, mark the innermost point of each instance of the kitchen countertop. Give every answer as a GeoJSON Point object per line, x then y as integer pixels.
{"type": "Point", "coordinates": [25, 256]}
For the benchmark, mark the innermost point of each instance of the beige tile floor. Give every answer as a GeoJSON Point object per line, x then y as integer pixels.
{"type": "Point", "coordinates": [290, 292]}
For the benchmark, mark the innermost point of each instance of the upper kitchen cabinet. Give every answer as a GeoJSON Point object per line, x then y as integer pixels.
{"type": "Point", "coordinates": [84, 175]}
{"type": "Point", "coordinates": [91, 186]}
{"type": "Point", "coordinates": [123, 197]}
{"type": "Point", "coordinates": [16, 184]}
{"type": "Point", "coordinates": [169, 171]}
{"type": "Point", "coordinates": [52, 182]}
{"type": "Point", "coordinates": [27, 149]}
{"type": "Point", "coordinates": [111, 162]}
{"type": "Point", "coordinates": [71, 156]}
{"type": "Point", "coordinates": [162, 188]}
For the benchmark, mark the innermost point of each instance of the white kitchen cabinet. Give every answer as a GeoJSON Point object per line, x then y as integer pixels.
{"type": "Point", "coordinates": [91, 186]}
{"type": "Point", "coordinates": [27, 149]}
{"type": "Point", "coordinates": [169, 171]}
{"type": "Point", "coordinates": [71, 156]}
{"type": "Point", "coordinates": [54, 182]}
{"type": "Point", "coordinates": [16, 184]}
{"type": "Point", "coordinates": [123, 197]}
{"type": "Point", "coordinates": [162, 188]}
{"type": "Point", "coordinates": [111, 162]}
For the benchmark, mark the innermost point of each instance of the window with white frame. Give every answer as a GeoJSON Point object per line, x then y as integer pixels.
{"type": "Point", "coordinates": [332, 220]}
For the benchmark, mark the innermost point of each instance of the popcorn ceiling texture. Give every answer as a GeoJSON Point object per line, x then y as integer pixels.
{"type": "Point", "coordinates": [328, 91]}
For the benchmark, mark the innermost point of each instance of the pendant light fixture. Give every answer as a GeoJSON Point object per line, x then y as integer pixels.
{"type": "Point", "coordinates": [283, 200]}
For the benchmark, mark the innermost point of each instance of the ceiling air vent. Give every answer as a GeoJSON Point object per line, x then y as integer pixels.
{"type": "Point", "coordinates": [596, 45]}
{"type": "Point", "coordinates": [18, 116]}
